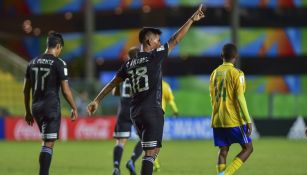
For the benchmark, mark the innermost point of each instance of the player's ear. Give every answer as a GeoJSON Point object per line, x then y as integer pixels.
{"type": "Point", "coordinates": [148, 42]}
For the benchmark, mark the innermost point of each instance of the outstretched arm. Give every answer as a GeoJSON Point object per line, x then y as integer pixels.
{"type": "Point", "coordinates": [69, 98]}
{"type": "Point", "coordinates": [91, 108]}
{"type": "Point", "coordinates": [177, 37]}
{"type": "Point", "coordinates": [26, 93]}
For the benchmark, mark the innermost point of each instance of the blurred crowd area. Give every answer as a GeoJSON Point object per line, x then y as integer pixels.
{"type": "Point", "coordinates": [268, 95]}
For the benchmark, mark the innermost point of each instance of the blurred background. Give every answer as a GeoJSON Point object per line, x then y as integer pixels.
{"type": "Point", "coordinates": [272, 39]}
{"type": "Point", "coordinates": [271, 36]}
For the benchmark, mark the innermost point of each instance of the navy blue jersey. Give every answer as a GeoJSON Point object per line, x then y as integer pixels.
{"type": "Point", "coordinates": [125, 97]}
{"type": "Point", "coordinates": [45, 74]}
{"type": "Point", "coordinates": [145, 75]}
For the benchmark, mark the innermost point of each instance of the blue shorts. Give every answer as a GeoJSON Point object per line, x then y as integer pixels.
{"type": "Point", "coordinates": [228, 136]}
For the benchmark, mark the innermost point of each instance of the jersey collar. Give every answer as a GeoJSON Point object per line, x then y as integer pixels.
{"type": "Point", "coordinates": [227, 64]}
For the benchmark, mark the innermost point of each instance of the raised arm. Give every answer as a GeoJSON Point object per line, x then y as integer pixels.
{"type": "Point", "coordinates": [177, 37]}
{"type": "Point", "coordinates": [92, 107]}
{"type": "Point", "coordinates": [69, 98]}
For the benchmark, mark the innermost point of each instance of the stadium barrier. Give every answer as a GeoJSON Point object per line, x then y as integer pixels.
{"type": "Point", "coordinates": [101, 128]}
{"type": "Point", "coordinates": [91, 128]}
{"type": "Point", "coordinates": [182, 128]}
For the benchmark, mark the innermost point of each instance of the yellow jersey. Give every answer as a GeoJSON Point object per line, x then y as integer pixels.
{"type": "Point", "coordinates": [226, 84]}
{"type": "Point", "coordinates": [168, 97]}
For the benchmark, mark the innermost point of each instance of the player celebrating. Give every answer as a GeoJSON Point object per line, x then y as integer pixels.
{"type": "Point", "coordinates": [145, 76]}
{"type": "Point", "coordinates": [45, 75]}
{"type": "Point", "coordinates": [124, 123]}
{"type": "Point", "coordinates": [231, 122]}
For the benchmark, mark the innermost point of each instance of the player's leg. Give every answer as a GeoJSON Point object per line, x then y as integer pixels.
{"type": "Point", "coordinates": [45, 157]}
{"type": "Point", "coordinates": [238, 135]}
{"type": "Point", "coordinates": [50, 129]}
{"type": "Point", "coordinates": [156, 166]}
{"type": "Point", "coordinates": [117, 154]}
{"type": "Point", "coordinates": [221, 141]}
{"type": "Point", "coordinates": [137, 152]}
{"type": "Point", "coordinates": [151, 139]}
{"type": "Point", "coordinates": [121, 133]}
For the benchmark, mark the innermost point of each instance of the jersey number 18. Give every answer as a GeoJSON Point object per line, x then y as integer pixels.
{"type": "Point", "coordinates": [139, 79]}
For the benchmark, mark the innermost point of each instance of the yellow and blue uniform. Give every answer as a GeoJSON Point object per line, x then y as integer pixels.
{"type": "Point", "coordinates": [229, 111]}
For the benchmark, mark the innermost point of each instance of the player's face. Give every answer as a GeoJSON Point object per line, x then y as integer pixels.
{"type": "Point", "coordinates": [155, 41]}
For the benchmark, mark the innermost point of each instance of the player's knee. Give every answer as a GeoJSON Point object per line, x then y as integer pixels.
{"type": "Point", "coordinates": [151, 152]}
{"type": "Point", "coordinates": [223, 151]}
{"type": "Point", "coordinates": [49, 144]}
{"type": "Point", "coordinates": [248, 148]}
{"type": "Point", "coordinates": [121, 141]}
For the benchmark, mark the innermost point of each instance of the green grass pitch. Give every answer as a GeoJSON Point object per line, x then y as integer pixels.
{"type": "Point", "coordinates": [272, 156]}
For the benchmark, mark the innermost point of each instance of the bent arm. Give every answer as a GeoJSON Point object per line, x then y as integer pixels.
{"type": "Point", "coordinates": [67, 94]}
{"type": "Point", "coordinates": [108, 88]}
{"type": "Point", "coordinates": [26, 94]}
{"type": "Point", "coordinates": [116, 91]}
{"type": "Point", "coordinates": [243, 107]}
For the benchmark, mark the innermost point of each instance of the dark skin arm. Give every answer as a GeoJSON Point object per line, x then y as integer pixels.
{"type": "Point", "coordinates": [26, 93]}
{"type": "Point", "coordinates": [92, 107]}
{"type": "Point", "coordinates": [69, 98]}
{"type": "Point", "coordinates": [177, 37]}
{"type": "Point", "coordinates": [116, 91]}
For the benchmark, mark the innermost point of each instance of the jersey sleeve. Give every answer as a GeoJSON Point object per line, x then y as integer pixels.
{"type": "Point", "coordinates": [240, 83]}
{"type": "Point", "coordinates": [62, 71]}
{"type": "Point", "coordinates": [162, 52]}
{"type": "Point", "coordinates": [122, 72]}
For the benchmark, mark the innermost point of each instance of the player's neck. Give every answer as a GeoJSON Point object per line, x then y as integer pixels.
{"type": "Point", "coordinates": [146, 48]}
{"type": "Point", "coordinates": [51, 51]}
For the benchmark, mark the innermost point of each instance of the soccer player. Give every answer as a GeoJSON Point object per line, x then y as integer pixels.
{"type": "Point", "coordinates": [231, 122]}
{"type": "Point", "coordinates": [145, 76]}
{"type": "Point", "coordinates": [45, 75]}
{"type": "Point", "coordinates": [124, 123]}
{"type": "Point", "coordinates": [167, 98]}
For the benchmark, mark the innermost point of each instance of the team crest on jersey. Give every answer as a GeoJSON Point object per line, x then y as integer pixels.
{"type": "Point", "coordinates": [241, 79]}
{"type": "Point", "coordinates": [161, 48]}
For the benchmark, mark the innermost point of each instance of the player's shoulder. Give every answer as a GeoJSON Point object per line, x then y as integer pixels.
{"type": "Point", "coordinates": [162, 47]}
{"type": "Point", "coordinates": [60, 61]}
{"type": "Point", "coordinates": [238, 71]}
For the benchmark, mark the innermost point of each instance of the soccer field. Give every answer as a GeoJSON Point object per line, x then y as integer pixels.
{"type": "Point", "coordinates": [272, 156]}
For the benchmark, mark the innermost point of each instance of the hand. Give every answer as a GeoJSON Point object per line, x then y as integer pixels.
{"type": "Point", "coordinates": [29, 119]}
{"type": "Point", "coordinates": [199, 14]}
{"type": "Point", "coordinates": [74, 115]}
{"type": "Point", "coordinates": [249, 129]}
{"type": "Point", "coordinates": [175, 114]}
{"type": "Point", "coordinates": [91, 108]}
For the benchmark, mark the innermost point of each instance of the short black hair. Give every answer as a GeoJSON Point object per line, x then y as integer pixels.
{"type": "Point", "coordinates": [53, 39]}
{"type": "Point", "coordinates": [229, 51]}
{"type": "Point", "coordinates": [146, 30]}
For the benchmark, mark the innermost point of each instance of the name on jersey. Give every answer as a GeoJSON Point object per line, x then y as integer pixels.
{"type": "Point", "coordinates": [43, 61]}
{"type": "Point", "coordinates": [135, 62]}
